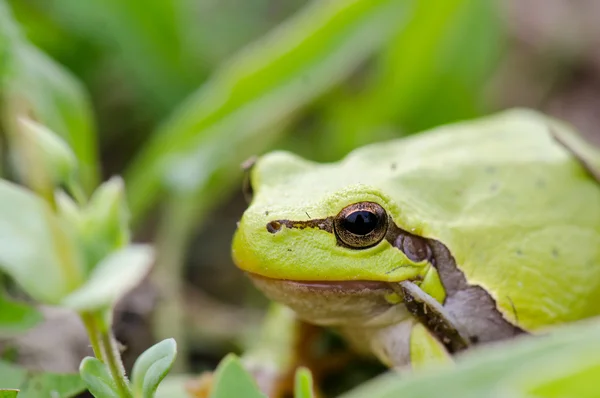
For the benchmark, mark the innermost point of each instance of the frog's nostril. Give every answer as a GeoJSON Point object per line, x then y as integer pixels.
{"type": "Point", "coordinates": [274, 226]}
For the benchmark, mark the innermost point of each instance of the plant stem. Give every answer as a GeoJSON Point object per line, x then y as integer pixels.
{"type": "Point", "coordinates": [105, 349]}
{"type": "Point", "coordinates": [114, 363]}
{"type": "Point", "coordinates": [92, 330]}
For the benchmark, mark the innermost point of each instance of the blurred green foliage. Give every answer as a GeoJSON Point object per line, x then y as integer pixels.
{"type": "Point", "coordinates": [347, 73]}
{"type": "Point", "coordinates": [33, 384]}
{"type": "Point", "coordinates": [16, 317]}
{"type": "Point", "coordinates": [175, 94]}
{"type": "Point", "coordinates": [35, 85]}
{"type": "Point", "coordinates": [432, 71]}
{"type": "Point", "coordinates": [231, 116]}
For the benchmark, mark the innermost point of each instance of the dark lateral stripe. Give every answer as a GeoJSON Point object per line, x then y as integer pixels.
{"type": "Point", "coordinates": [470, 304]}
{"type": "Point", "coordinates": [325, 224]}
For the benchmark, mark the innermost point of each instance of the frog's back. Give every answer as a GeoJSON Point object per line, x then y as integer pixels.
{"type": "Point", "coordinates": [518, 211]}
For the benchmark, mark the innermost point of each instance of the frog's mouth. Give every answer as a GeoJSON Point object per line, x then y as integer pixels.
{"type": "Point", "coordinates": [325, 286]}
{"type": "Point", "coordinates": [334, 303]}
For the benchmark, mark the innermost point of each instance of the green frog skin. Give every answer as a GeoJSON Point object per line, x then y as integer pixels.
{"type": "Point", "coordinates": [420, 247]}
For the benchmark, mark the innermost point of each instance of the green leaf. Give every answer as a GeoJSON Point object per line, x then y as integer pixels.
{"type": "Point", "coordinates": [37, 149]}
{"type": "Point", "coordinates": [175, 386]}
{"type": "Point", "coordinates": [303, 384]}
{"type": "Point", "coordinates": [35, 384]}
{"type": "Point", "coordinates": [152, 47]}
{"type": "Point", "coordinates": [566, 361]}
{"type": "Point", "coordinates": [232, 380]}
{"type": "Point", "coordinates": [17, 317]}
{"type": "Point", "coordinates": [434, 71]}
{"type": "Point", "coordinates": [52, 385]}
{"type": "Point", "coordinates": [239, 111]}
{"type": "Point", "coordinates": [111, 279]}
{"type": "Point", "coordinates": [104, 222]}
{"type": "Point", "coordinates": [9, 393]}
{"type": "Point", "coordinates": [453, 46]}
{"type": "Point", "coordinates": [456, 48]}
{"type": "Point", "coordinates": [12, 376]}
{"type": "Point", "coordinates": [97, 378]}
{"type": "Point", "coordinates": [151, 367]}
{"type": "Point", "coordinates": [68, 210]}
{"type": "Point", "coordinates": [35, 248]}
{"type": "Point", "coordinates": [34, 85]}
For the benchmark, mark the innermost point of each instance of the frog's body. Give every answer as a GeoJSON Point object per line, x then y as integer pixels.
{"type": "Point", "coordinates": [496, 220]}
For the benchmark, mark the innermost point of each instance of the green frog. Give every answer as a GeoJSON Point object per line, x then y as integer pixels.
{"type": "Point", "coordinates": [418, 248]}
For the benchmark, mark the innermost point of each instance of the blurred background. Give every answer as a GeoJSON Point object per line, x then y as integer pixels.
{"type": "Point", "coordinates": [175, 95]}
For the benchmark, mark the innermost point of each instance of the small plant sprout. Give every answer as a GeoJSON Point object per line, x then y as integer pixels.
{"type": "Point", "coordinates": [68, 251]}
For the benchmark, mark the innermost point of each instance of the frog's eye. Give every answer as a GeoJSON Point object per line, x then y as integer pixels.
{"type": "Point", "coordinates": [247, 189]}
{"type": "Point", "coordinates": [361, 225]}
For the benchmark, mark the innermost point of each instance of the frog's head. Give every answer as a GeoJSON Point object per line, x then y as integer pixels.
{"type": "Point", "coordinates": [322, 227]}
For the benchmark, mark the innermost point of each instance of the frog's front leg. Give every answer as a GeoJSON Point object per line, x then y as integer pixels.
{"type": "Point", "coordinates": [431, 334]}
{"type": "Point", "coordinates": [408, 343]}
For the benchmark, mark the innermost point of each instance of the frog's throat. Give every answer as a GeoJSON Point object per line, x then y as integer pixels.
{"type": "Point", "coordinates": [343, 303]}
{"type": "Point", "coordinates": [335, 303]}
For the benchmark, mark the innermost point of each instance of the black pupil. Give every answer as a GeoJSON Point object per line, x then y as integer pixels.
{"type": "Point", "coordinates": [361, 222]}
